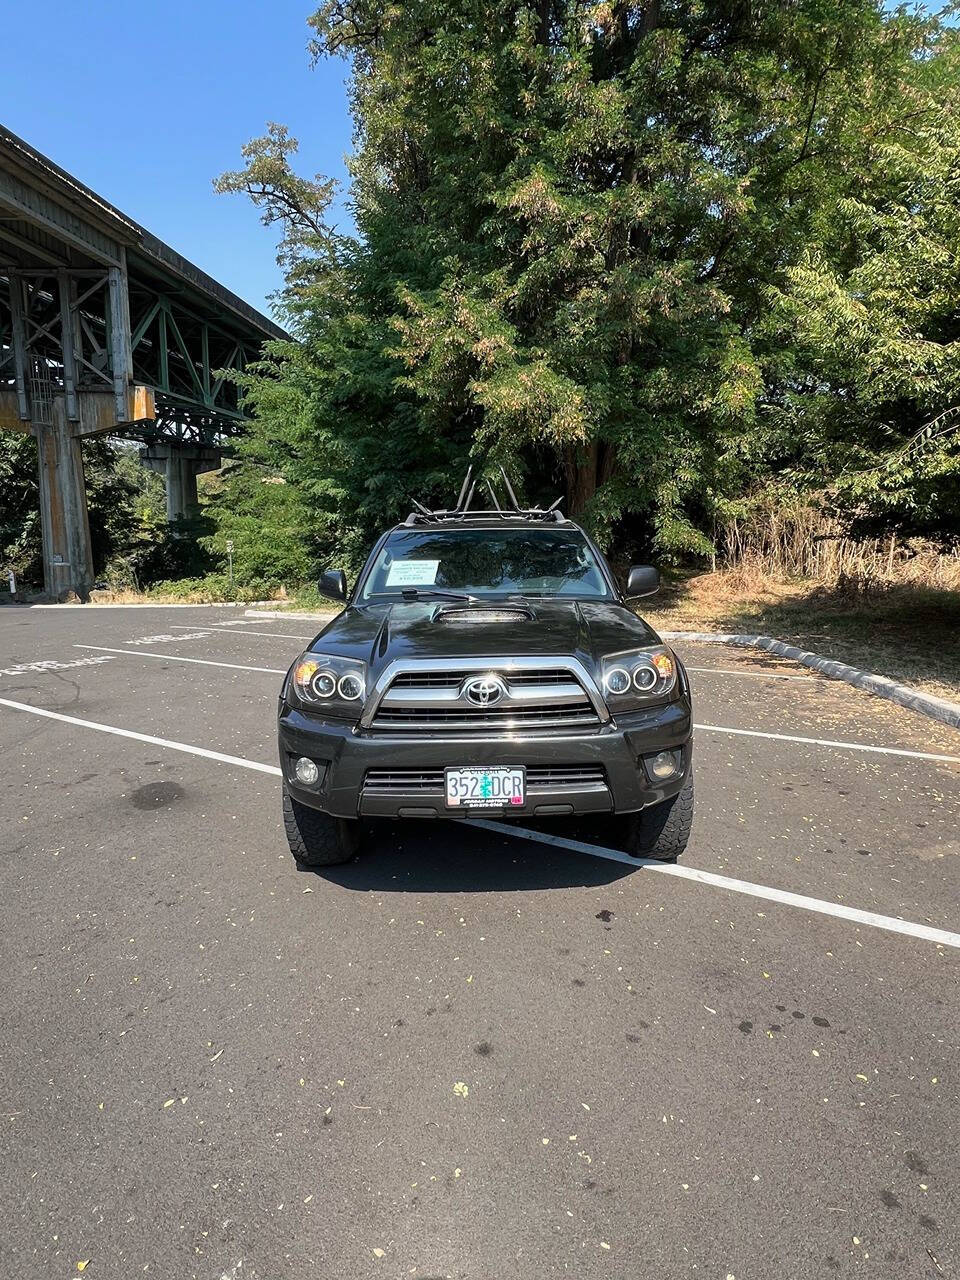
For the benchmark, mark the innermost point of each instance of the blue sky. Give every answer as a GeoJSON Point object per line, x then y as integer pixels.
{"type": "Point", "coordinates": [148, 102]}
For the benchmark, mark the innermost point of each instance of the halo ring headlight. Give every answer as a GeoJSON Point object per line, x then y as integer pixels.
{"type": "Point", "coordinates": [350, 687]}
{"type": "Point", "coordinates": [645, 677]}
{"type": "Point", "coordinates": [324, 684]}
{"type": "Point", "coordinates": [617, 680]}
{"type": "Point", "coordinates": [630, 679]}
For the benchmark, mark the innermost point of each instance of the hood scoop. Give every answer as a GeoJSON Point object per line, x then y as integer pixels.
{"type": "Point", "coordinates": [470, 615]}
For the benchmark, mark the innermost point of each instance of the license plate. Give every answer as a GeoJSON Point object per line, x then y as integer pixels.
{"type": "Point", "coordinates": [481, 787]}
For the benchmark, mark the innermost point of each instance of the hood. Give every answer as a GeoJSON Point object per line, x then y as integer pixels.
{"type": "Point", "coordinates": [379, 634]}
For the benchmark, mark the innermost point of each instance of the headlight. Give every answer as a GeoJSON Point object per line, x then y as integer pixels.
{"type": "Point", "coordinates": [337, 685]}
{"type": "Point", "coordinates": [638, 677]}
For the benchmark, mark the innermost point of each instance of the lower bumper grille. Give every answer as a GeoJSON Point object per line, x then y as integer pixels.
{"type": "Point", "coordinates": [430, 781]}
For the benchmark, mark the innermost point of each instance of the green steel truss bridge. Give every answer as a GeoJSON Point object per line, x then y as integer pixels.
{"type": "Point", "coordinates": [104, 329]}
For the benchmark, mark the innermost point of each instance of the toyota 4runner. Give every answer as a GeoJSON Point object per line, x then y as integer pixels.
{"type": "Point", "coordinates": [486, 664]}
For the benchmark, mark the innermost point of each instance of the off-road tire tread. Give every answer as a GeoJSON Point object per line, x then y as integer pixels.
{"type": "Point", "coordinates": [316, 839]}
{"type": "Point", "coordinates": [662, 831]}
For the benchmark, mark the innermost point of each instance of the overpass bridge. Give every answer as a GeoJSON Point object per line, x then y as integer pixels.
{"type": "Point", "coordinates": [104, 329]}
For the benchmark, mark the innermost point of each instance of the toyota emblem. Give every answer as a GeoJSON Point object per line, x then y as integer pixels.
{"type": "Point", "coordinates": [484, 691]}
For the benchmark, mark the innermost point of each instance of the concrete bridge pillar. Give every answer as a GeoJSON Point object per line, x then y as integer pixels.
{"type": "Point", "coordinates": [67, 552]}
{"type": "Point", "coordinates": [180, 464]}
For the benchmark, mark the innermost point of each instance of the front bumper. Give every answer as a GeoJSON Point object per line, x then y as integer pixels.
{"type": "Point", "coordinates": [347, 755]}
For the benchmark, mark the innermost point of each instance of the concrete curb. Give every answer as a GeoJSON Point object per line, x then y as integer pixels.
{"type": "Point", "coordinates": [924, 704]}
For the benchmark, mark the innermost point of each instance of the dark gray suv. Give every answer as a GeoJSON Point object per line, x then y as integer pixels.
{"type": "Point", "coordinates": [486, 664]}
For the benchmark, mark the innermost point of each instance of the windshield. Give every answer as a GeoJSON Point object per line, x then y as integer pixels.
{"type": "Point", "coordinates": [484, 562]}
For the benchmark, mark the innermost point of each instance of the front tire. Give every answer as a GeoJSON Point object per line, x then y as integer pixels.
{"type": "Point", "coordinates": [662, 831]}
{"type": "Point", "coordinates": [316, 839]}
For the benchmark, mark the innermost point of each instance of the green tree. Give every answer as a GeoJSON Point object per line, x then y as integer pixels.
{"type": "Point", "coordinates": [585, 237]}
{"type": "Point", "coordinates": [121, 500]}
{"type": "Point", "coordinates": [20, 538]}
{"type": "Point", "coordinates": [265, 519]}
{"type": "Point", "coordinates": [870, 315]}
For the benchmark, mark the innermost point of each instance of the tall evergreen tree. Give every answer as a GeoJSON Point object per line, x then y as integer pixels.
{"type": "Point", "coordinates": [580, 231]}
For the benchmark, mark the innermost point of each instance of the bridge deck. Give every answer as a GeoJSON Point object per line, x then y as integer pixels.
{"type": "Point", "coordinates": [104, 329]}
{"type": "Point", "coordinates": [180, 325]}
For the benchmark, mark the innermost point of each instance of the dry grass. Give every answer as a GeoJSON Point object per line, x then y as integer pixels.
{"type": "Point", "coordinates": [894, 628]}
{"type": "Point", "coordinates": [804, 542]}
{"type": "Point", "coordinates": [118, 597]}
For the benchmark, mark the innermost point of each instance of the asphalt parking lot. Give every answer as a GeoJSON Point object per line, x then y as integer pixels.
{"type": "Point", "coordinates": [467, 1054]}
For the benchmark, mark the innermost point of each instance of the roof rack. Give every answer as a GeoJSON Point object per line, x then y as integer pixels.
{"type": "Point", "coordinates": [462, 513]}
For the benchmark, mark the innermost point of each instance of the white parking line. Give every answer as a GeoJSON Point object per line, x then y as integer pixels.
{"type": "Point", "coordinates": [165, 638]}
{"type": "Point", "coordinates": [172, 657]}
{"type": "Point", "coordinates": [140, 737]}
{"type": "Point", "coordinates": [827, 742]}
{"type": "Point", "coordinates": [750, 675]}
{"type": "Point", "coordinates": [891, 923]}
{"type": "Point", "coordinates": [279, 635]}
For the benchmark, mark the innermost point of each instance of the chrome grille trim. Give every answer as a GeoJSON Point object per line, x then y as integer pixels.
{"type": "Point", "coordinates": [436, 679]}
{"type": "Point", "coordinates": [498, 718]}
{"type": "Point", "coordinates": [541, 693]}
{"type": "Point", "coordinates": [433, 697]}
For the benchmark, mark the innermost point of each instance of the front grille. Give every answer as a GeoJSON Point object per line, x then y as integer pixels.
{"type": "Point", "coordinates": [428, 680]}
{"type": "Point", "coordinates": [558, 778]}
{"type": "Point", "coordinates": [550, 675]}
{"type": "Point", "coordinates": [540, 717]}
{"type": "Point", "coordinates": [454, 679]}
{"type": "Point", "coordinates": [403, 780]}
{"type": "Point", "coordinates": [535, 698]}
{"type": "Point", "coordinates": [577, 776]}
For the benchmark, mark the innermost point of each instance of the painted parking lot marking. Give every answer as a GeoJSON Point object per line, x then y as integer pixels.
{"type": "Point", "coordinates": [140, 737]}
{"type": "Point", "coordinates": [750, 675]}
{"type": "Point", "coordinates": [173, 657]}
{"type": "Point", "coordinates": [927, 933]}
{"type": "Point", "coordinates": [166, 638]}
{"type": "Point", "coordinates": [96, 605]}
{"type": "Point", "coordinates": [892, 923]}
{"type": "Point", "coordinates": [279, 635]}
{"type": "Point", "coordinates": [23, 668]}
{"type": "Point", "coordinates": [828, 742]}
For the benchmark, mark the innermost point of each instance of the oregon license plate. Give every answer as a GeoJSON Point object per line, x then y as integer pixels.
{"type": "Point", "coordinates": [480, 787]}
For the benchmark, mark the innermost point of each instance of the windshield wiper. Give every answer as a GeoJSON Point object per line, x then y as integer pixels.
{"type": "Point", "coordinates": [431, 593]}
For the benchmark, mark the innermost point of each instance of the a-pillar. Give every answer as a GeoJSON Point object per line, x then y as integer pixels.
{"type": "Point", "coordinates": [180, 464]}
{"type": "Point", "coordinates": [67, 553]}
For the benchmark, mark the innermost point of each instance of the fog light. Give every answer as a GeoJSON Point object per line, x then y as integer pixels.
{"type": "Point", "coordinates": [663, 766]}
{"type": "Point", "coordinates": [306, 771]}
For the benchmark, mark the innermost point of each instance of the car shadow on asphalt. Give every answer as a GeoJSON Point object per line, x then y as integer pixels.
{"type": "Point", "coordinates": [450, 857]}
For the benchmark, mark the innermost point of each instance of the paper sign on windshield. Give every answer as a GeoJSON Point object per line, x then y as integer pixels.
{"type": "Point", "coordinates": [412, 573]}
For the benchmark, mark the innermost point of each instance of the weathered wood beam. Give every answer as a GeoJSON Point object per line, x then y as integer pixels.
{"type": "Point", "coordinates": [19, 345]}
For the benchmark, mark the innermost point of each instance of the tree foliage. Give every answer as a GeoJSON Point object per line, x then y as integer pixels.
{"type": "Point", "coordinates": [132, 542]}
{"type": "Point", "coordinates": [664, 254]}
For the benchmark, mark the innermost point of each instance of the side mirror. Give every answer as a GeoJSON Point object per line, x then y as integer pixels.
{"type": "Point", "coordinates": [642, 580]}
{"type": "Point", "coordinates": [333, 584]}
